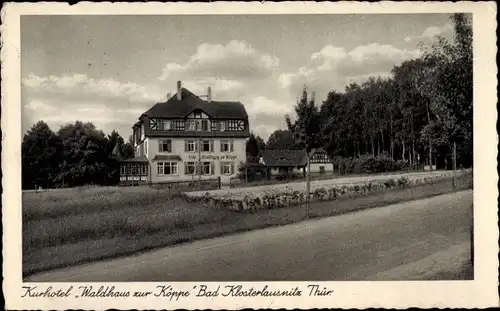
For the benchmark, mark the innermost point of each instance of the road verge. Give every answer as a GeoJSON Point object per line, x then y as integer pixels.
{"type": "Point", "coordinates": [145, 227]}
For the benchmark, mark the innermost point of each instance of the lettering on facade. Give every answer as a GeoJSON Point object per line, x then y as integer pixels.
{"type": "Point", "coordinates": [210, 157]}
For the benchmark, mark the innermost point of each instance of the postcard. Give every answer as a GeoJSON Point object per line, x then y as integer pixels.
{"type": "Point", "coordinates": [231, 155]}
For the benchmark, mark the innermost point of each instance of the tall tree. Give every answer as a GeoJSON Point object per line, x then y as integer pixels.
{"type": "Point", "coordinates": [447, 81]}
{"type": "Point", "coordinates": [252, 148]}
{"type": "Point", "coordinates": [85, 154]}
{"type": "Point", "coordinates": [307, 127]}
{"type": "Point", "coordinates": [40, 152]}
{"type": "Point", "coordinates": [260, 142]}
{"type": "Point", "coordinates": [280, 139]}
{"type": "Point", "coordinates": [414, 110]}
{"type": "Point", "coordinates": [128, 148]}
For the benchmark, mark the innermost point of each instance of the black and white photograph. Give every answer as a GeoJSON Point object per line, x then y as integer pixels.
{"type": "Point", "coordinates": [239, 148]}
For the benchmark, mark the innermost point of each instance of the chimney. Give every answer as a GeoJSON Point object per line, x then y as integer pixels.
{"type": "Point", "coordinates": [209, 94]}
{"type": "Point", "coordinates": [169, 95]}
{"type": "Point", "coordinates": [179, 95]}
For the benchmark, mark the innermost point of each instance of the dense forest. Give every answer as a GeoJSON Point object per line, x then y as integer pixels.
{"type": "Point", "coordinates": [420, 112]}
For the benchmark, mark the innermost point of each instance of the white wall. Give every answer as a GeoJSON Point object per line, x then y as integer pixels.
{"type": "Point", "coordinates": [237, 156]}
{"type": "Point", "coordinates": [315, 167]}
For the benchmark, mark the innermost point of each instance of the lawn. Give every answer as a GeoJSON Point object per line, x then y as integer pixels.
{"type": "Point", "coordinates": [72, 226]}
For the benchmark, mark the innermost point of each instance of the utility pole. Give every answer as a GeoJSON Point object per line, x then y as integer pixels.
{"type": "Point", "coordinates": [308, 183]}
{"type": "Point", "coordinates": [454, 165]}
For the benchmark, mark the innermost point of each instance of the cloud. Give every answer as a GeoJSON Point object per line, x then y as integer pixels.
{"type": "Point", "coordinates": [362, 59]}
{"type": "Point", "coordinates": [430, 33]}
{"type": "Point", "coordinates": [235, 60]}
{"type": "Point", "coordinates": [64, 99]}
{"type": "Point", "coordinates": [264, 123]}
{"type": "Point", "coordinates": [81, 86]}
{"type": "Point", "coordinates": [333, 67]}
{"type": "Point", "coordinates": [235, 71]}
{"type": "Point", "coordinates": [111, 104]}
{"type": "Point", "coordinates": [262, 104]}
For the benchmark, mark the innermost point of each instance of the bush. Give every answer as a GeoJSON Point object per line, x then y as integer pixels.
{"type": "Point", "coordinates": [371, 165]}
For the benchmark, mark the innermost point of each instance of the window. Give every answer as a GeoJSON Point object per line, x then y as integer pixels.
{"type": "Point", "coordinates": [215, 125]}
{"type": "Point", "coordinates": [321, 170]}
{"type": "Point", "coordinates": [140, 150]}
{"type": "Point", "coordinates": [233, 125]}
{"type": "Point", "coordinates": [137, 135]}
{"type": "Point", "coordinates": [227, 168]}
{"type": "Point", "coordinates": [135, 169]}
{"type": "Point", "coordinates": [166, 168]}
{"type": "Point", "coordinates": [190, 146]}
{"type": "Point", "coordinates": [226, 146]}
{"type": "Point", "coordinates": [319, 158]}
{"type": "Point", "coordinates": [222, 126]}
{"type": "Point", "coordinates": [165, 145]}
{"type": "Point", "coordinates": [207, 168]}
{"type": "Point", "coordinates": [179, 125]}
{"type": "Point", "coordinates": [190, 168]}
{"type": "Point", "coordinates": [191, 125]}
{"type": "Point", "coordinates": [204, 125]}
{"type": "Point", "coordinates": [123, 170]}
{"type": "Point", "coordinates": [197, 125]}
{"type": "Point", "coordinates": [207, 146]}
{"type": "Point", "coordinates": [167, 125]}
{"type": "Point", "coordinates": [197, 115]}
{"type": "Point", "coordinates": [144, 169]}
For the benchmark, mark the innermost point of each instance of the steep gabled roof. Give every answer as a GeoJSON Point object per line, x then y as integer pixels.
{"type": "Point", "coordinates": [173, 108]}
{"type": "Point", "coordinates": [284, 158]}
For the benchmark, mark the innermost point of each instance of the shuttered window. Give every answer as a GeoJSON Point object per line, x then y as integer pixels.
{"type": "Point", "coordinates": [226, 146]}
{"type": "Point", "coordinates": [190, 168]}
{"type": "Point", "coordinates": [165, 145]}
{"type": "Point", "coordinates": [227, 168]}
{"type": "Point", "coordinates": [207, 168]}
{"type": "Point", "coordinates": [207, 145]}
{"type": "Point", "coordinates": [190, 145]}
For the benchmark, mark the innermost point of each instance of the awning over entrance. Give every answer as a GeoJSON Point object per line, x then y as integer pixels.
{"type": "Point", "coordinates": [167, 157]}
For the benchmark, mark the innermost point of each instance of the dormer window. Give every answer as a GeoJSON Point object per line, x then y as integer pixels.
{"type": "Point", "coordinates": [197, 125]}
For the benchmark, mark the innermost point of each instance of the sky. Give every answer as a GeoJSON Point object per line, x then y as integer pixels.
{"type": "Point", "coordinates": [110, 69]}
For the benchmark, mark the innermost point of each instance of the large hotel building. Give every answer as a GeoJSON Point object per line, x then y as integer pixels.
{"type": "Point", "coordinates": [187, 137]}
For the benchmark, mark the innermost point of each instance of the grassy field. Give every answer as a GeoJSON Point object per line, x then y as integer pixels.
{"type": "Point", "coordinates": [72, 226]}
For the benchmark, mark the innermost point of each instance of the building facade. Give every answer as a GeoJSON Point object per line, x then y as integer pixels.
{"type": "Point", "coordinates": [188, 138]}
{"type": "Point", "coordinates": [321, 163]}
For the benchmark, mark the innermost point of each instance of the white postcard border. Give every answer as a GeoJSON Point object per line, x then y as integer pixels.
{"type": "Point", "coordinates": [482, 292]}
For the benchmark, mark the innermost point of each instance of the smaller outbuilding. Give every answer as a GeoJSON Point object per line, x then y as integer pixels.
{"type": "Point", "coordinates": [321, 162]}
{"type": "Point", "coordinates": [295, 161]}
{"type": "Point", "coordinates": [284, 162]}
